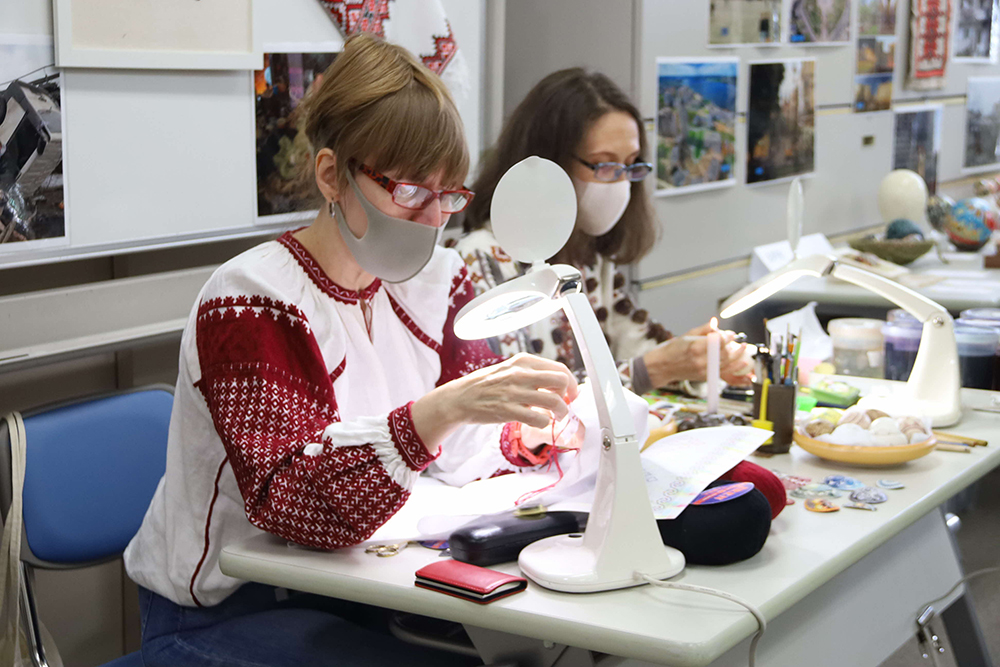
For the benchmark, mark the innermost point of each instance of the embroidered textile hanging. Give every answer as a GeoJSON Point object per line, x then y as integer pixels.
{"type": "Point", "coordinates": [418, 25]}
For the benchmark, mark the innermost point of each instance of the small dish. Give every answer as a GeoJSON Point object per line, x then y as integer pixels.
{"type": "Point", "coordinates": [874, 456]}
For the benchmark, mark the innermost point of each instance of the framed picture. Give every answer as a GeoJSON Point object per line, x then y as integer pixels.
{"type": "Point", "coordinates": [876, 59]}
{"type": "Point", "coordinates": [695, 124]}
{"type": "Point", "coordinates": [32, 188]}
{"type": "Point", "coordinates": [781, 120]}
{"type": "Point", "coordinates": [818, 22]}
{"type": "Point", "coordinates": [736, 22]}
{"type": "Point", "coordinates": [976, 24]}
{"type": "Point", "coordinates": [982, 124]}
{"type": "Point", "coordinates": [285, 189]}
{"type": "Point", "coordinates": [214, 35]}
{"type": "Point", "coordinates": [917, 142]}
{"type": "Point", "coordinates": [876, 17]}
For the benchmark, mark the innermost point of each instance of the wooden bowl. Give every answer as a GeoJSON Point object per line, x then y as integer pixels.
{"type": "Point", "coordinates": [872, 456]}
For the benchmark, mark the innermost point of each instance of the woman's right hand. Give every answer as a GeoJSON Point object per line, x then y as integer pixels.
{"type": "Point", "coordinates": [525, 388]}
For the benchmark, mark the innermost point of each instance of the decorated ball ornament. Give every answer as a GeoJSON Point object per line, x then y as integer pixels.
{"type": "Point", "coordinates": [938, 209]}
{"type": "Point", "coordinates": [902, 194]}
{"type": "Point", "coordinates": [968, 224]}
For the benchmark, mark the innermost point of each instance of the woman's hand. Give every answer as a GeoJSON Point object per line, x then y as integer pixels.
{"type": "Point", "coordinates": [686, 358]}
{"type": "Point", "coordinates": [524, 388]}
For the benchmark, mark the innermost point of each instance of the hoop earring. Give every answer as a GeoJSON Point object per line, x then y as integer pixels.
{"type": "Point", "coordinates": [333, 215]}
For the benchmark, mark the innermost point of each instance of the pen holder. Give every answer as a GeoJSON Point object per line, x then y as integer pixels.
{"type": "Point", "coordinates": [781, 412]}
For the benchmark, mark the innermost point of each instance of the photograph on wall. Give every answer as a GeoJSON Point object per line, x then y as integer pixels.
{"type": "Point", "coordinates": [917, 142]}
{"type": "Point", "coordinates": [781, 119]}
{"type": "Point", "coordinates": [695, 124]}
{"type": "Point", "coordinates": [732, 22]}
{"type": "Point", "coordinates": [982, 123]}
{"type": "Point", "coordinates": [976, 24]}
{"type": "Point", "coordinates": [876, 59]}
{"type": "Point", "coordinates": [820, 21]}
{"type": "Point", "coordinates": [928, 55]}
{"type": "Point", "coordinates": [285, 190]}
{"type": "Point", "coordinates": [876, 17]}
{"type": "Point", "coordinates": [873, 92]}
{"type": "Point", "coordinates": [31, 137]}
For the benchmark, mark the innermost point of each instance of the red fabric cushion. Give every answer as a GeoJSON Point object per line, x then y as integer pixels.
{"type": "Point", "coordinates": [764, 480]}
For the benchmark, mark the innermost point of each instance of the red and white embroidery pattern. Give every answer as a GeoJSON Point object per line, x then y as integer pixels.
{"type": "Point", "coordinates": [444, 51]}
{"type": "Point", "coordinates": [363, 16]}
{"type": "Point", "coordinates": [316, 274]}
{"type": "Point", "coordinates": [461, 357]}
{"type": "Point", "coordinates": [267, 389]}
{"type": "Point", "coordinates": [407, 440]}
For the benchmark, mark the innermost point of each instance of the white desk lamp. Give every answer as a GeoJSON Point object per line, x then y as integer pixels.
{"type": "Point", "coordinates": [533, 214]}
{"type": "Point", "coordinates": [933, 387]}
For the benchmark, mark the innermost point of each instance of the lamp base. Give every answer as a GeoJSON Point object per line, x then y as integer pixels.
{"type": "Point", "coordinates": [565, 563]}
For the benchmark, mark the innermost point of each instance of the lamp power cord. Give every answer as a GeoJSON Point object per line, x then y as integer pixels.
{"type": "Point", "coordinates": [761, 621]}
{"type": "Point", "coordinates": [930, 644]}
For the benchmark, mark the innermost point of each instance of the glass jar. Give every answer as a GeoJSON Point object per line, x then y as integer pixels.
{"type": "Point", "coordinates": [857, 346]}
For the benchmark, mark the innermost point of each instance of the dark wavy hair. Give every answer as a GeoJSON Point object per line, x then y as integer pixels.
{"type": "Point", "coordinates": [551, 122]}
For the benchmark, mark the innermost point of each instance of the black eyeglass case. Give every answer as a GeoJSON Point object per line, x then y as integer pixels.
{"type": "Point", "coordinates": [499, 538]}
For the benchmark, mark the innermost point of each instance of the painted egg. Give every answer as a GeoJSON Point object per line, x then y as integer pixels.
{"type": "Point", "coordinates": [970, 223]}
{"type": "Point", "coordinates": [938, 208]}
{"type": "Point", "coordinates": [855, 416]}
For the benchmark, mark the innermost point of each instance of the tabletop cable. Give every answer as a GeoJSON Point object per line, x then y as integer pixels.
{"type": "Point", "coordinates": [761, 621]}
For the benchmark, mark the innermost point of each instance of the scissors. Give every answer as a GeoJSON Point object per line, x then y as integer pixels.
{"type": "Point", "coordinates": [386, 550]}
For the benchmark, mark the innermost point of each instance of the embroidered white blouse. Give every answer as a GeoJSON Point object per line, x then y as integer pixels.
{"type": "Point", "coordinates": [292, 413]}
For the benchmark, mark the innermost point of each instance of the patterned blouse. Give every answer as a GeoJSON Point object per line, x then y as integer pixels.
{"type": "Point", "coordinates": [629, 330]}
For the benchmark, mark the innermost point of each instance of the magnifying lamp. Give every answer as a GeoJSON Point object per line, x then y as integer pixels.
{"type": "Point", "coordinates": [932, 389]}
{"type": "Point", "coordinates": [533, 214]}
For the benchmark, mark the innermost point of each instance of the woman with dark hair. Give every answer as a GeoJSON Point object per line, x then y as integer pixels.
{"type": "Point", "coordinates": [583, 122]}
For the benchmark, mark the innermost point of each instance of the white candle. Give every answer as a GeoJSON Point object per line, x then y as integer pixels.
{"type": "Point", "coordinates": [714, 342]}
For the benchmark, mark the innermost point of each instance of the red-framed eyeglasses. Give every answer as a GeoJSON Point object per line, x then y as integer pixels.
{"type": "Point", "coordinates": [417, 197]}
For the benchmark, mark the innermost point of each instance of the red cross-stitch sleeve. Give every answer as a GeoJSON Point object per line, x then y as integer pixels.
{"type": "Point", "coordinates": [461, 357]}
{"type": "Point", "coordinates": [270, 396]}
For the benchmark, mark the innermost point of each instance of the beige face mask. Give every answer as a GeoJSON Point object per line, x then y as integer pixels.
{"type": "Point", "coordinates": [600, 205]}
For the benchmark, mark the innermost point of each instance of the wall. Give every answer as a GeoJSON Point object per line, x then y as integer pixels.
{"type": "Point", "coordinates": [681, 281]}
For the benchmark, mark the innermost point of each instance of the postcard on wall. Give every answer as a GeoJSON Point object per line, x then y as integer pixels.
{"type": "Point", "coordinates": [876, 17]}
{"type": "Point", "coordinates": [781, 120]}
{"type": "Point", "coordinates": [917, 142]}
{"type": "Point", "coordinates": [32, 196]}
{"type": "Point", "coordinates": [285, 189]}
{"type": "Point", "coordinates": [982, 124]}
{"type": "Point", "coordinates": [976, 26]}
{"type": "Point", "coordinates": [820, 21]}
{"type": "Point", "coordinates": [928, 44]}
{"type": "Point", "coordinates": [732, 22]}
{"type": "Point", "coordinates": [695, 124]}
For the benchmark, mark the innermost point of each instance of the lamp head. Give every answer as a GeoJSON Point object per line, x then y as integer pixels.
{"type": "Point", "coordinates": [757, 291]}
{"type": "Point", "coordinates": [517, 303]}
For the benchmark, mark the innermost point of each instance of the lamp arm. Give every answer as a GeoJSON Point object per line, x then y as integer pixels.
{"type": "Point", "coordinates": [612, 410]}
{"type": "Point", "coordinates": [912, 302]}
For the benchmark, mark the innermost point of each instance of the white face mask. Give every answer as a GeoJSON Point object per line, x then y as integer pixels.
{"type": "Point", "coordinates": [600, 205]}
{"type": "Point", "coordinates": [392, 249]}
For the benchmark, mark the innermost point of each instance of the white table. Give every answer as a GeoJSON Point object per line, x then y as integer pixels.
{"type": "Point", "coordinates": [837, 589]}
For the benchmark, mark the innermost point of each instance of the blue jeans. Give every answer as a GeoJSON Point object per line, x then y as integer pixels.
{"type": "Point", "coordinates": [252, 628]}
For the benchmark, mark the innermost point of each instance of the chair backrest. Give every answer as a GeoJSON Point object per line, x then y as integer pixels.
{"type": "Point", "coordinates": [91, 469]}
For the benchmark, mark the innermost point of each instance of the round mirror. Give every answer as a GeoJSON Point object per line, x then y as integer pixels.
{"type": "Point", "coordinates": [533, 210]}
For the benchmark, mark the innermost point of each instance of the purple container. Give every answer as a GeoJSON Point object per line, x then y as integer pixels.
{"type": "Point", "coordinates": [902, 339]}
{"type": "Point", "coordinates": [992, 314]}
{"type": "Point", "coordinates": [978, 351]}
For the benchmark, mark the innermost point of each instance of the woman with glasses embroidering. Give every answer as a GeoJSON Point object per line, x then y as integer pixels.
{"type": "Point", "coordinates": [586, 124]}
{"type": "Point", "coordinates": [320, 375]}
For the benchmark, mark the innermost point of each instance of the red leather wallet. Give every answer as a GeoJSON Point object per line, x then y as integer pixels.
{"type": "Point", "coordinates": [469, 582]}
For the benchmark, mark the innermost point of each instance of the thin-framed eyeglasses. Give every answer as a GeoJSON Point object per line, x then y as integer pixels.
{"type": "Point", "coordinates": [612, 171]}
{"type": "Point", "coordinates": [417, 197]}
